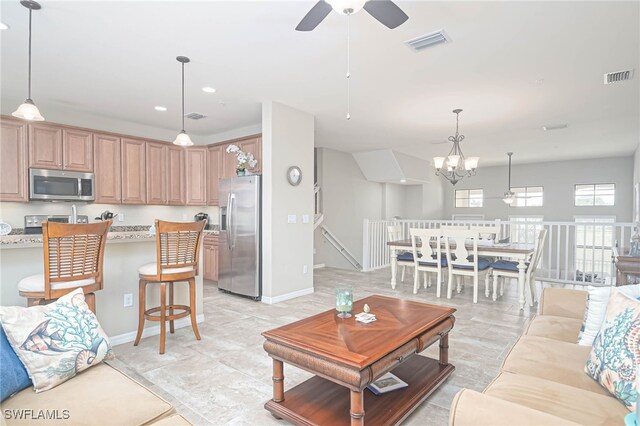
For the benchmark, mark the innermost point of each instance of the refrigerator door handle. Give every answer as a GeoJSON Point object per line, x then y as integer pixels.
{"type": "Point", "coordinates": [227, 221]}
{"type": "Point", "coordinates": [230, 222]}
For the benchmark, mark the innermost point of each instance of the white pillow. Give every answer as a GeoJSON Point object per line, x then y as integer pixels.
{"type": "Point", "coordinates": [597, 308]}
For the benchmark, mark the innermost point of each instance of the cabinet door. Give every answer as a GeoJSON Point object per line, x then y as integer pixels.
{"type": "Point", "coordinates": [156, 173]}
{"type": "Point", "coordinates": [214, 262]}
{"type": "Point", "coordinates": [77, 150]}
{"type": "Point", "coordinates": [229, 161]}
{"type": "Point", "coordinates": [45, 146]}
{"type": "Point", "coordinates": [214, 173]}
{"type": "Point", "coordinates": [206, 260]}
{"type": "Point", "coordinates": [13, 161]}
{"type": "Point", "coordinates": [134, 178]}
{"type": "Point", "coordinates": [253, 146]}
{"type": "Point", "coordinates": [176, 188]}
{"type": "Point", "coordinates": [196, 176]}
{"type": "Point", "coordinates": [108, 170]}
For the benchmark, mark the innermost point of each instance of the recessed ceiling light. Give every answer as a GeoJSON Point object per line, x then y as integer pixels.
{"type": "Point", "coordinates": [209, 89]}
{"type": "Point", "coordinates": [3, 26]}
{"type": "Point", "coordinates": [160, 108]}
{"type": "Point", "coordinates": [554, 127]}
{"type": "Point", "coordinates": [403, 180]}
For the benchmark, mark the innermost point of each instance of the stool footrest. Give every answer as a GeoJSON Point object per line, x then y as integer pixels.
{"type": "Point", "coordinates": [148, 313]}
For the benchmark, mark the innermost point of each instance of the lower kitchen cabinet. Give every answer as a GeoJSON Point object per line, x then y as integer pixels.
{"type": "Point", "coordinates": [210, 258]}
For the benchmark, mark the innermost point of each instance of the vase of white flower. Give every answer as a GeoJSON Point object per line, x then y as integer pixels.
{"type": "Point", "coordinates": [243, 159]}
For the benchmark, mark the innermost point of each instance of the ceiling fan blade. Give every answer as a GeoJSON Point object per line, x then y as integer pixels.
{"type": "Point", "coordinates": [315, 16]}
{"type": "Point", "coordinates": [387, 12]}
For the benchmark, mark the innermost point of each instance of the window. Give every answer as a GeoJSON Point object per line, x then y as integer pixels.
{"type": "Point", "coordinates": [524, 229]}
{"type": "Point", "coordinates": [528, 196]}
{"type": "Point", "coordinates": [469, 197]}
{"type": "Point", "coordinates": [594, 246]}
{"type": "Point", "coordinates": [599, 194]}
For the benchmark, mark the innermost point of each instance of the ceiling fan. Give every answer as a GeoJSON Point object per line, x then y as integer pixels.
{"type": "Point", "coordinates": [385, 11]}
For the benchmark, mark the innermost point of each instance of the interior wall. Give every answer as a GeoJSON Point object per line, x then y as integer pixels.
{"type": "Point", "coordinates": [558, 179]}
{"type": "Point", "coordinates": [636, 184]}
{"type": "Point", "coordinates": [287, 140]}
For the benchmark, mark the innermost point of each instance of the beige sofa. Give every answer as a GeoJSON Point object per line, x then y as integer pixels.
{"type": "Point", "coordinates": [542, 381]}
{"type": "Point", "coordinates": [100, 395]}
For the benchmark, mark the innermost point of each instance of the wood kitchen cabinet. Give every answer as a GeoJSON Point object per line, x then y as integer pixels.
{"type": "Point", "coordinates": [156, 173]}
{"type": "Point", "coordinates": [134, 176]}
{"type": "Point", "coordinates": [45, 146]}
{"type": "Point", "coordinates": [13, 161]}
{"type": "Point", "coordinates": [176, 187]}
{"type": "Point", "coordinates": [108, 168]}
{"type": "Point", "coordinates": [254, 146]}
{"type": "Point", "coordinates": [196, 176]}
{"type": "Point", "coordinates": [77, 150]}
{"type": "Point", "coordinates": [210, 258]}
{"type": "Point", "coordinates": [229, 162]}
{"type": "Point", "coordinates": [214, 173]}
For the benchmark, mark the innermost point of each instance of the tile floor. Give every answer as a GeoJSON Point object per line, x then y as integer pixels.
{"type": "Point", "coordinates": [225, 378]}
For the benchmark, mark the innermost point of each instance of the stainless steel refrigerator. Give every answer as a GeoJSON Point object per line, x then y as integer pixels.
{"type": "Point", "coordinates": [239, 242]}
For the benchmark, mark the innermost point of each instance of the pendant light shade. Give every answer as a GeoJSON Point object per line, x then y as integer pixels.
{"type": "Point", "coordinates": [183, 138]}
{"type": "Point", "coordinates": [28, 110]}
{"type": "Point", "coordinates": [509, 196]}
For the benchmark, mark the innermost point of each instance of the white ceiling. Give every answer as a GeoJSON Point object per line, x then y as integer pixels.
{"type": "Point", "coordinates": [513, 67]}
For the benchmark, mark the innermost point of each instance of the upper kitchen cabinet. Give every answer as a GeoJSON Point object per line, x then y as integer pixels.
{"type": "Point", "coordinates": [60, 148]}
{"type": "Point", "coordinates": [108, 170]}
{"type": "Point", "coordinates": [229, 162]}
{"type": "Point", "coordinates": [45, 146]}
{"type": "Point", "coordinates": [13, 161]}
{"type": "Point", "coordinates": [176, 187]}
{"type": "Point", "coordinates": [77, 150]}
{"type": "Point", "coordinates": [196, 176]}
{"type": "Point", "coordinates": [254, 146]}
{"type": "Point", "coordinates": [214, 172]}
{"type": "Point", "coordinates": [156, 155]}
{"type": "Point", "coordinates": [134, 177]}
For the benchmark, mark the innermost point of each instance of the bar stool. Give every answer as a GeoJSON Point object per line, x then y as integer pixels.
{"type": "Point", "coordinates": [73, 258]}
{"type": "Point", "coordinates": [177, 250]}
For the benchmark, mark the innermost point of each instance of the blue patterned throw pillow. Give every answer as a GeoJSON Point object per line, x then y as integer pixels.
{"type": "Point", "coordinates": [615, 355]}
{"type": "Point", "coordinates": [13, 375]}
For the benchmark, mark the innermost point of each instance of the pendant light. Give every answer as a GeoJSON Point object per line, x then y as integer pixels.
{"type": "Point", "coordinates": [509, 196]}
{"type": "Point", "coordinates": [183, 138]}
{"type": "Point", "coordinates": [28, 110]}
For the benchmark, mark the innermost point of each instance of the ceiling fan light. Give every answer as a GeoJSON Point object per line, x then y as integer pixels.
{"type": "Point", "coordinates": [28, 111]}
{"type": "Point", "coordinates": [346, 7]}
{"type": "Point", "coordinates": [183, 139]}
{"type": "Point", "coordinates": [509, 197]}
{"type": "Point", "coordinates": [438, 162]}
{"type": "Point", "coordinates": [471, 163]}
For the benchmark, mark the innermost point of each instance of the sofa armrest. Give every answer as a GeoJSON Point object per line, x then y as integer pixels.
{"type": "Point", "coordinates": [473, 408]}
{"type": "Point", "coordinates": [563, 302]}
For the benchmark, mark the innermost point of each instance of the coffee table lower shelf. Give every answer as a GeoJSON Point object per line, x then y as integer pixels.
{"type": "Point", "coordinates": [318, 401]}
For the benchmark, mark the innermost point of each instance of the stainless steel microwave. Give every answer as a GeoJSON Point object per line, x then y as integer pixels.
{"type": "Point", "coordinates": [58, 185]}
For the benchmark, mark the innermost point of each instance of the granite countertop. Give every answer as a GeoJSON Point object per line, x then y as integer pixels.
{"type": "Point", "coordinates": [117, 234]}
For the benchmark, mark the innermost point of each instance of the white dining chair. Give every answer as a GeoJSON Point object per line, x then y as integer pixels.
{"type": "Point", "coordinates": [502, 269]}
{"type": "Point", "coordinates": [427, 259]}
{"type": "Point", "coordinates": [463, 262]}
{"type": "Point", "coordinates": [405, 258]}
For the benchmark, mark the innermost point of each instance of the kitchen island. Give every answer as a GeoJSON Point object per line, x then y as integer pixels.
{"type": "Point", "coordinates": [126, 250]}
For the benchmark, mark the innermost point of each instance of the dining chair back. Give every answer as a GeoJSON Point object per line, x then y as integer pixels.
{"type": "Point", "coordinates": [461, 247]}
{"type": "Point", "coordinates": [403, 258]}
{"type": "Point", "coordinates": [427, 255]}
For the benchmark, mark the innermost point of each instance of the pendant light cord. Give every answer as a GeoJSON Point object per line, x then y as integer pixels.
{"type": "Point", "coordinates": [348, 66]}
{"type": "Point", "coordinates": [509, 189]}
{"type": "Point", "coordinates": [183, 97]}
{"type": "Point", "coordinates": [29, 89]}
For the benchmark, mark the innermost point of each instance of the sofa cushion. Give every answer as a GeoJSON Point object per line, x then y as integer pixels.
{"type": "Point", "coordinates": [172, 420]}
{"type": "Point", "coordinates": [560, 400]}
{"type": "Point", "coordinates": [563, 302]}
{"type": "Point", "coordinates": [99, 395]}
{"type": "Point", "coordinates": [56, 341]}
{"type": "Point", "coordinates": [13, 375]}
{"type": "Point", "coordinates": [614, 357]}
{"type": "Point", "coordinates": [597, 308]}
{"type": "Point", "coordinates": [556, 328]}
{"type": "Point", "coordinates": [553, 360]}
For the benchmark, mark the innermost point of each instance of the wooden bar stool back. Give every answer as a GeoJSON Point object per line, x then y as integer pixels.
{"type": "Point", "coordinates": [177, 254]}
{"type": "Point", "coordinates": [73, 258]}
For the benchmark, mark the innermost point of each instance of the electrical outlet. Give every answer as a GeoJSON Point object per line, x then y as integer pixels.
{"type": "Point", "coordinates": [292, 218]}
{"type": "Point", "coordinates": [128, 300]}
{"type": "Point", "coordinates": [120, 217]}
{"type": "Point", "coordinates": [305, 269]}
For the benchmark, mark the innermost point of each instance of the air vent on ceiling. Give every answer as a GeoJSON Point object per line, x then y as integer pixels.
{"type": "Point", "coordinates": [615, 77]}
{"type": "Point", "coordinates": [423, 42]}
{"type": "Point", "coordinates": [195, 116]}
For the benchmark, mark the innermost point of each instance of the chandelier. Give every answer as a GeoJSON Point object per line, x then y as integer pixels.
{"type": "Point", "coordinates": [457, 166]}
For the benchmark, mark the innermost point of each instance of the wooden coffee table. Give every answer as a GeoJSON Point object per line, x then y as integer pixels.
{"type": "Point", "coordinates": [346, 356]}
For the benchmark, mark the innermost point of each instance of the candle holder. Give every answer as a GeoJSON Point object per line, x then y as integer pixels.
{"type": "Point", "coordinates": [344, 301]}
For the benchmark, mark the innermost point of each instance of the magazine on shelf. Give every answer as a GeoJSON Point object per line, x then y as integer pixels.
{"type": "Point", "coordinates": [387, 383]}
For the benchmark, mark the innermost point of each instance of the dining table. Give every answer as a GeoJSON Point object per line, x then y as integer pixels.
{"type": "Point", "coordinates": [519, 252]}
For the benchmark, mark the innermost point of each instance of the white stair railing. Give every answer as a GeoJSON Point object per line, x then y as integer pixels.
{"type": "Point", "coordinates": [340, 247]}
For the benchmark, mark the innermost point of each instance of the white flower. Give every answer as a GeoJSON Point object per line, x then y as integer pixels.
{"type": "Point", "coordinates": [233, 148]}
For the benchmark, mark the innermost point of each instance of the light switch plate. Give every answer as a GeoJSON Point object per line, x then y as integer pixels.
{"type": "Point", "coordinates": [292, 218]}
{"type": "Point", "coordinates": [306, 218]}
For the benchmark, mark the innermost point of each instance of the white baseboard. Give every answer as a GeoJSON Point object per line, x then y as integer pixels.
{"type": "Point", "coordinates": [319, 265]}
{"type": "Point", "coordinates": [287, 296]}
{"type": "Point", "coordinates": [151, 331]}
